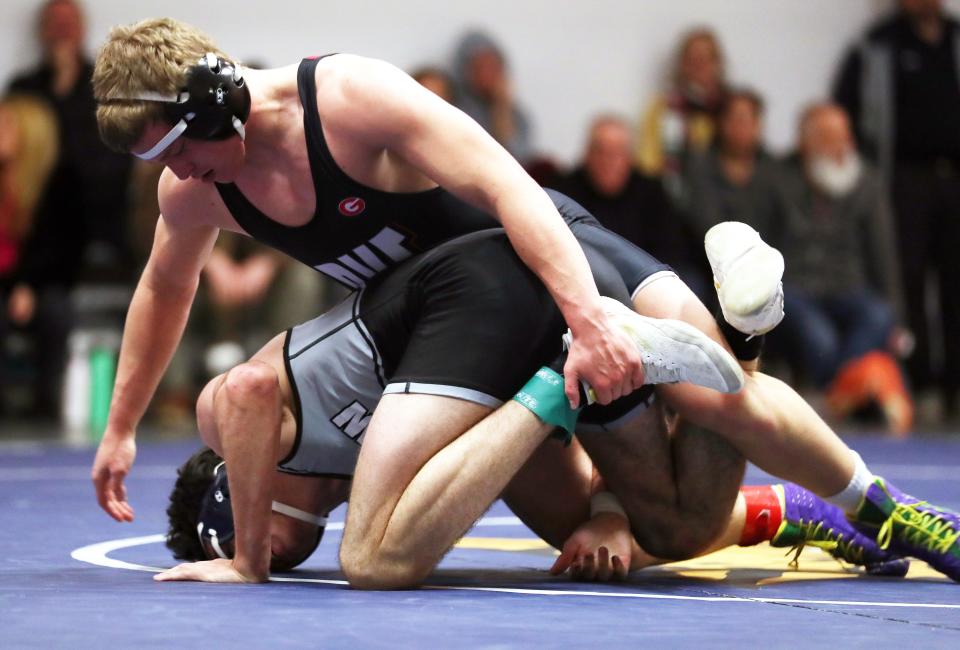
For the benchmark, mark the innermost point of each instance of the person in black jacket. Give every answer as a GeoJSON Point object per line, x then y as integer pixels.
{"type": "Point", "coordinates": [901, 86]}
{"type": "Point", "coordinates": [41, 248]}
{"type": "Point", "coordinates": [631, 204]}
{"type": "Point", "coordinates": [95, 178]}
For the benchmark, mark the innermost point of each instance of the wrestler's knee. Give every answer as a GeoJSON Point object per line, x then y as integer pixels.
{"type": "Point", "coordinates": [372, 570]}
{"type": "Point", "coordinates": [251, 382]}
{"type": "Point", "coordinates": [753, 402]}
{"type": "Point", "coordinates": [735, 415]}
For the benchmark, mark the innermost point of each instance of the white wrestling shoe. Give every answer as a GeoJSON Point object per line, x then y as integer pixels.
{"type": "Point", "coordinates": [747, 273]}
{"type": "Point", "coordinates": [673, 351]}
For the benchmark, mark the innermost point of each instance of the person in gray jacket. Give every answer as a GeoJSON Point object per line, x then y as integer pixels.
{"type": "Point", "coordinates": [736, 179]}
{"type": "Point", "coordinates": [841, 284]}
{"type": "Point", "coordinates": [485, 93]}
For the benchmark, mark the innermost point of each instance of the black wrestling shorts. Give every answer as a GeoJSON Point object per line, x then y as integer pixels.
{"type": "Point", "coordinates": [469, 320]}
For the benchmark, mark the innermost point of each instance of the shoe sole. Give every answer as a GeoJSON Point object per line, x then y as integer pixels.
{"type": "Point", "coordinates": [726, 366]}
{"type": "Point", "coordinates": [729, 235]}
{"type": "Point", "coordinates": [746, 291]}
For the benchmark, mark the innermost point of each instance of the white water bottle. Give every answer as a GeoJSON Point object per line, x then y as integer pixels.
{"type": "Point", "coordinates": [75, 412]}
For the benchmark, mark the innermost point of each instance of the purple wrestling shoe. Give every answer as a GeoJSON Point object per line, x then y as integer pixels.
{"type": "Point", "coordinates": [808, 520]}
{"type": "Point", "coordinates": [907, 526]}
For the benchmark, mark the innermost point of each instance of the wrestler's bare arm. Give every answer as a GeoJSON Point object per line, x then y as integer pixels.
{"type": "Point", "coordinates": [372, 102]}
{"type": "Point", "coordinates": [244, 415]}
{"type": "Point", "coordinates": [155, 322]}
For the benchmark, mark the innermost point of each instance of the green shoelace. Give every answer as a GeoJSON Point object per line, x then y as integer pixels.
{"type": "Point", "coordinates": [830, 541]}
{"type": "Point", "coordinates": [927, 529]}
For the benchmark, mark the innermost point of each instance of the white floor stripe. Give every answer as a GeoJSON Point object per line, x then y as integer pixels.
{"type": "Point", "coordinates": [96, 554]}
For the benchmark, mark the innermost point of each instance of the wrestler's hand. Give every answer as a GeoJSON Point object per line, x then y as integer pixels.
{"type": "Point", "coordinates": [605, 357]}
{"type": "Point", "coordinates": [600, 549]}
{"type": "Point", "coordinates": [111, 465]}
{"type": "Point", "coordinates": [219, 570]}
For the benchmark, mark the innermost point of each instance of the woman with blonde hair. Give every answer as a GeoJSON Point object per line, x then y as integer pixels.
{"type": "Point", "coordinates": [683, 118]}
{"type": "Point", "coordinates": [31, 298]}
{"type": "Point", "coordinates": [28, 152]}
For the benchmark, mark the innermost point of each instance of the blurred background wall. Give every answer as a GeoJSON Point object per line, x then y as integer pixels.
{"type": "Point", "coordinates": [569, 58]}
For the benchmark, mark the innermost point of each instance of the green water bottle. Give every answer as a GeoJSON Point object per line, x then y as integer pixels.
{"type": "Point", "coordinates": [103, 370]}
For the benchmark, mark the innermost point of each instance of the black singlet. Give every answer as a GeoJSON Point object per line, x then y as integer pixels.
{"type": "Point", "coordinates": [357, 231]}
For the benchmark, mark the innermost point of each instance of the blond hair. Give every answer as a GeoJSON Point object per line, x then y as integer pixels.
{"type": "Point", "coordinates": [35, 156]}
{"type": "Point", "coordinates": [153, 55]}
{"type": "Point", "coordinates": [687, 40]}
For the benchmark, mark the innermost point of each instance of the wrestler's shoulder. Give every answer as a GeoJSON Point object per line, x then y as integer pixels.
{"type": "Point", "coordinates": [347, 75]}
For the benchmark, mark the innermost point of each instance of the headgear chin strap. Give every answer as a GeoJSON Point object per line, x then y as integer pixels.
{"type": "Point", "coordinates": [213, 106]}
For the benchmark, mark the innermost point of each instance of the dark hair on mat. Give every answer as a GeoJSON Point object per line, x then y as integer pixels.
{"type": "Point", "coordinates": [193, 479]}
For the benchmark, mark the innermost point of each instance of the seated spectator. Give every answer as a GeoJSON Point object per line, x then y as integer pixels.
{"type": "Point", "coordinates": [436, 81]}
{"type": "Point", "coordinates": [735, 179]}
{"type": "Point", "coordinates": [40, 254]}
{"type": "Point", "coordinates": [632, 205]}
{"type": "Point", "coordinates": [841, 283]}
{"type": "Point", "coordinates": [485, 93]}
{"type": "Point", "coordinates": [683, 119]}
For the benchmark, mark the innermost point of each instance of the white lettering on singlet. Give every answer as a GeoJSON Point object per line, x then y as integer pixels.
{"type": "Point", "coordinates": [353, 420]}
{"type": "Point", "coordinates": [354, 273]}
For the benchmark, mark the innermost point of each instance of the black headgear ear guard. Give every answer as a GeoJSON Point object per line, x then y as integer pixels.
{"type": "Point", "coordinates": [216, 97]}
{"type": "Point", "coordinates": [215, 524]}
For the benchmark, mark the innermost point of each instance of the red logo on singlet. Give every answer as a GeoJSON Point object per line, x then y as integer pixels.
{"type": "Point", "coordinates": [352, 206]}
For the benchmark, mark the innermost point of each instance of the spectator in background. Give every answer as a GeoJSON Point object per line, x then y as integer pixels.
{"type": "Point", "coordinates": [735, 179]}
{"type": "Point", "coordinates": [632, 205]}
{"type": "Point", "coordinates": [841, 285]}
{"type": "Point", "coordinates": [28, 151]}
{"type": "Point", "coordinates": [93, 176]}
{"type": "Point", "coordinates": [683, 119]}
{"type": "Point", "coordinates": [901, 86]}
{"type": "Point", "coordinates": [436, 81]}
{"type": "Point", "coordinates": [485, 93]}
{"type": "Point", "coordinates": [40, 259]}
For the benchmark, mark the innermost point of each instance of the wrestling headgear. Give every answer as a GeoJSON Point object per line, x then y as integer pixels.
{"type": "Point", "coordinates": [213, 105]}
{"type": "Point", "coordinates": [215, 521]}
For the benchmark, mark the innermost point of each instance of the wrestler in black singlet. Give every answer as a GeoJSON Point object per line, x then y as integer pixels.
{"type": "Point", "coordinates": [357, 231]}
{"type": "Point", "coordinates": [438, 324]}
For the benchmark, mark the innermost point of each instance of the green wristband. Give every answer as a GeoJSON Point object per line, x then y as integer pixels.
{"type": "Point", "coordinates": [544, 396]}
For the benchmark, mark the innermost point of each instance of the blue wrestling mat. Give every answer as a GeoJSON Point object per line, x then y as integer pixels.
{"type": "Point", "coordinates": [71, 577]}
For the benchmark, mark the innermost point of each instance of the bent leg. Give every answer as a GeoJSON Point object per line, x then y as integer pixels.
{"type": "Point", "coordinates": [551, 492]}
{"type": "Point", "coordinates": [766, 421]}
{"type": "Point", "coordinates": [428, 468]}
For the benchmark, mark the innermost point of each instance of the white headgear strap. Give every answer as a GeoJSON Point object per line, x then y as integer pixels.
{"type": "Point", "coordinates": [165, 141]}
{"type": "Point", "coordinates": [297, 513]}
{"type": "Point", "coordinates": [181, 126]}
